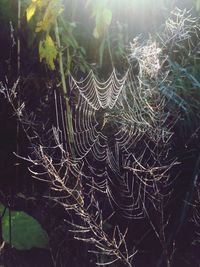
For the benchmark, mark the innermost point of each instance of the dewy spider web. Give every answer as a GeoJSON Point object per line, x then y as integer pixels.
{"type": "Point", "coordinates": [110, 118]}
{"type": "Point", "coordinates": [120, 135]}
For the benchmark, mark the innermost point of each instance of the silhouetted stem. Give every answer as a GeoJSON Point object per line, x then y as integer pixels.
{"type": "Point", "coordinates": [68, 114]}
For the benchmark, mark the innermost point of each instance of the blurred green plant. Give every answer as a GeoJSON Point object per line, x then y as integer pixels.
{"type": "Point", "coordinates": [46, 15]}
{"type": "Point", "coordinates": [180, 41]}
{"type": "Point", "coordinates": [197, 5]}
{"type": "Point", "coordinates": [102, 15]}
{"type": "Point", "coordinates": [21, 230]}
{"type": "Point", "coordinates": [50, 47]}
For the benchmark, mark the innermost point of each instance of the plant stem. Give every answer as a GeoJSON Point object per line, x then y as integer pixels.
{"type": "Point", "coordinates": [68, 113]}
{"type": "Point", "coordinates": [18, 39]}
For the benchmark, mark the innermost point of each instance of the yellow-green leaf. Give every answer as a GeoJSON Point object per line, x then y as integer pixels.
{"type": "Point", "coordinates": [39, 26]}
{"type": "Point", "coordinates": [48, 51]}
{"type": "Point", "coordinates": [107, 16]}
{"type": "Point", "coordinates": [30, 11]}
{"type": "Point", "coordinates": [52, 10]}
{"type": "Point", "coordinates": [103, 20]}
{"type": "Point", "coordinates": [96, 33]}
{"type": "Point", "coordinates": [198, 5]}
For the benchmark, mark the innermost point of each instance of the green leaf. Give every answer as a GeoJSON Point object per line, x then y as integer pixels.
{"type": "Point", "coordinates": [48, 51]}
{"type": "Point", "coordinates": [30, 11]}
{"type": "Point", "coordinates": [103, 20]}
{"type": "Point", "coordinates": [96, 33]}
{"type": "Point", "coordinates": [107, 16]}
{"type": "Point", "coordinates": [26, 232]}
{"type": "Point", "coordinates": [53, 8]}
{"type": "Point", "coordinates": [198, 5]}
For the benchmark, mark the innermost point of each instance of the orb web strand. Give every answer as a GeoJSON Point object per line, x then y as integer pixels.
{"type": "Point", "coordinates": [86, 91]}
{"type": "Point", "coordinates": [86, 135]}
{"type": "Point", "coordinates": [99, 94]}
{"type": "Point", "coordinates": [111, 158]}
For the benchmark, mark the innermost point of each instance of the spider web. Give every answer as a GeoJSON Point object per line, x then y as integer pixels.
{"type": "Point", "coordinates": [121, 132]}
{"type": "Point", "coordinates": [110, 119]}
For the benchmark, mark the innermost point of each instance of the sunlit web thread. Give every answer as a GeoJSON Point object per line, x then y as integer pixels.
{"type": "Point", "coordinates": [100, 94]}
{"type": "Point", "coordinates": [131, 111]}
{"type": "Point", "coordinates": [180, 26]}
